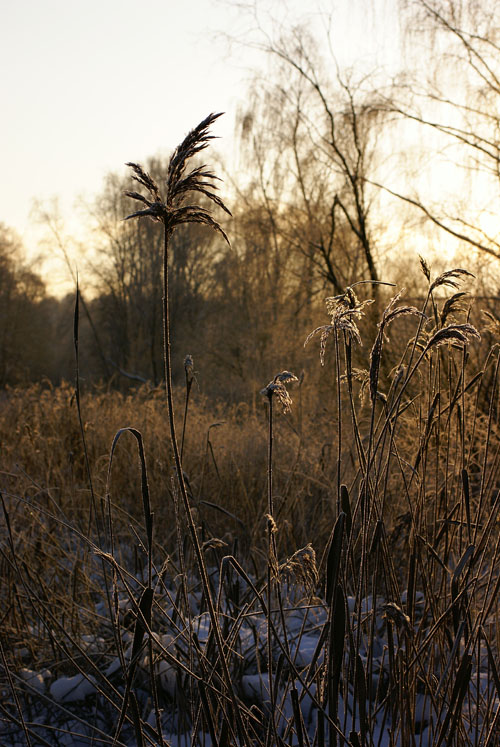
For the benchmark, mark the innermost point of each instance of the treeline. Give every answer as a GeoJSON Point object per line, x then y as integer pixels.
{"type": "Point", "coordinates": [32, 323]}
{"type": "Point", "coordinates": [241, 311]}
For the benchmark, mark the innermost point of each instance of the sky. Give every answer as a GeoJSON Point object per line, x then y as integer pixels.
{"type": "Point", "coordinates": [89, 85]}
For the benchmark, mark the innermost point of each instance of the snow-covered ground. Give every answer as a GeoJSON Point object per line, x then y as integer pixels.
{"type": "Point", "coordinates": [77, 702]}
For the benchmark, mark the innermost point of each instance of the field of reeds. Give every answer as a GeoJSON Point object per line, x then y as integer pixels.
{"type": "Point", "coordinates": [179, 571]}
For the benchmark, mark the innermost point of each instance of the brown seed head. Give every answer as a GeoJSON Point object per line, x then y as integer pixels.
{"type": "Point", "coordinates": [492, 323]}
{"type": "Point", "coordinates": [425, 268]}
{"type": "Point", "coordinates": [389, 315]}
{"type": "Point", "coordinates": [302, 565]}
{"type": "Point", "coordinates": [452, 306]}
{"type": "Point", "coordinates": [170, 208]}
{"type": "Point", "coordinates": [277, 388]}
{"type": "Point", "coordinates": [459, 334]}
{"type": "Point", "coordinates": [451, 278]}
{"type": "Point", "coordinates": [344, 311]}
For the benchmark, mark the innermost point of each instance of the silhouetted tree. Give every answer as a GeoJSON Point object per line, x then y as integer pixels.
{"type": "Point", "coordinates": [26, 342]}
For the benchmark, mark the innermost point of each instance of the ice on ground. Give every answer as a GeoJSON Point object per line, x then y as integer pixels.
{"type": "Point", "coordinates": [114, 667]}
{"type": "Point", "coordinates": [168, 677]}
{"type": "Point", "coordinates": [93, 644]}
{"type": "Point", "coordinates": [201, 626]}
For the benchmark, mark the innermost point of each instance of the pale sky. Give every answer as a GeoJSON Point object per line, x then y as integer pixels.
{"type": "Point", "coordinates": [88, 85]}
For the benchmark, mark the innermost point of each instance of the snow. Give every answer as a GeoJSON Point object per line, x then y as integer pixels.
{"type": "Point", "coordinates": [76, 693]}
{"type": "Point", "coordinates": [33, 679]}
{"type": "Point", "coordinates": [71, 689]}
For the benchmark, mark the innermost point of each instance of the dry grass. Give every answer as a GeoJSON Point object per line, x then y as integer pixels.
{"type": "Point", "coordinates": [225, 458]}
{"type": "Point", "coordinates": [433, 494]}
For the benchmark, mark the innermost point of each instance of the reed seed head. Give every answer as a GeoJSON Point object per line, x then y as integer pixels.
{"type": "Point", "coordinates": [492, 323]}
{"type": "Point", "coordinates": [425, 268]}
{"type": "Point", "coordinates": [273, 527]}
{"type": "Point", "coordinates": [170, 208]}
{"type": "Point", "coordinates": [277, 388]}
{"type": "Point", "coordinates": [398, 617]}
{"type": "Point", "coordinates": [302, 565]}
{"type": "Point", "coordinates": [361, 375]}
{"type": "Point", "coordinates": [452, 306]}
{"type": "Point", "coordinates": [392, 312]}
{"type": "Point", "coordinates": [451, 278]}
{"type": "Point", "coordinates": [458, 334]}
{"type": "Point", "coordinates": [344, 311]}
{"type": "Point", "coordinates": [389, 314]}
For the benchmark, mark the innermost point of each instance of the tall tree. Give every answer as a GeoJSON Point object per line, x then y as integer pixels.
{"type": "Point", "coordinates": [454, 101]}
{"type": "Point", "coordinates": [314, 163]}
{"type": "Point", "coordinates": [25, 316]}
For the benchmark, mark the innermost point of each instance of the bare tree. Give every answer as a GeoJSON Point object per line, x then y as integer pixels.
{"type": "Point", "coordinates": [25, 329]}
{"type": "Point", "coordinates": [454, 98]}
{"type": "Point", "coordinates": [313, 164]}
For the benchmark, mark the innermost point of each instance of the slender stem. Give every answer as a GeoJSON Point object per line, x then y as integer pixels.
{"type": "Point", "coordinates": [339, 415]}
{"type": "Point", "coordinates": [186, 406]}
{"type": "Point", "coordinates": [270, 564]}
{"type": "Point", "coordinates": [185, 499]}
{"type": "Point", "coordinates": [270, 506]}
